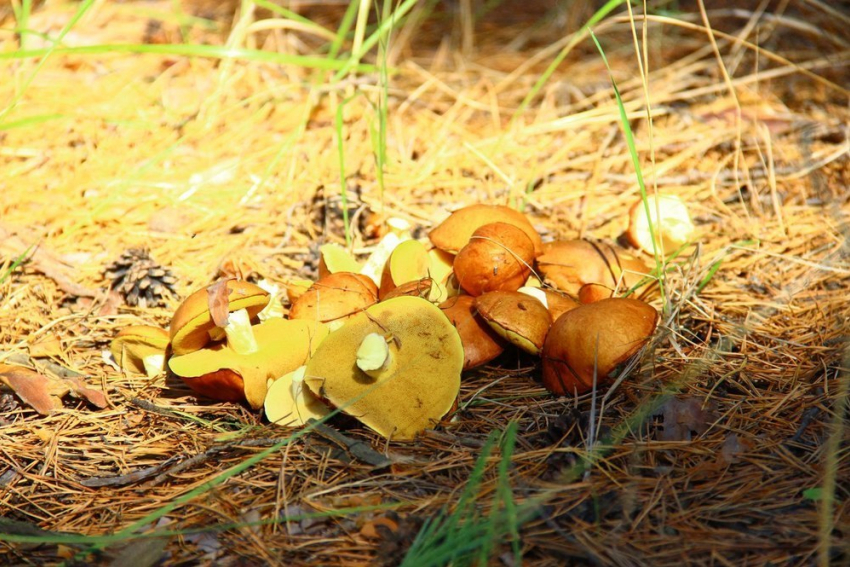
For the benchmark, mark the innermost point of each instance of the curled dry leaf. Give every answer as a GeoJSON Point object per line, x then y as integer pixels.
{"type": "Point", "coordinates": [44, 393]}
{"type": "Point", "coordinates": [684, 417]}
{"type": "Point", "coordinates": [733, 446]}
{"type": "Point", "coordinates": [217, 299]}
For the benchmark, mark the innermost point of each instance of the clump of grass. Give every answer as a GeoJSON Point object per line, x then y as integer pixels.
{"type": "Point", "coordinates": [15, 264]}
{"type": "Point", "coordinates": [464, 535]}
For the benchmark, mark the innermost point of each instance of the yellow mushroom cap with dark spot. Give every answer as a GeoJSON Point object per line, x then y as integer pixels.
{"type": "Point", "coordinates": [415, 391]}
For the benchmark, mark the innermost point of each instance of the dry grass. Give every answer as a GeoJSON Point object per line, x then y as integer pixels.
{"type": "Point", "coordinates": [202, 160]}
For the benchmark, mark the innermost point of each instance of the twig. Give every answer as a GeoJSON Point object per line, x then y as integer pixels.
{"type": "Point", "coordinates": [808, 416]}
{"type": "Point", "coordinates": [125, 479]}
{"type": "Point", "coordinates": [26, 360]}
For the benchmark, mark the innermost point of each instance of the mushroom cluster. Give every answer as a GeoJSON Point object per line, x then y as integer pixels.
{"type": "Point", "coordinates": [386, 340]}
{"type": "Point", "coordinates": [561, 300]}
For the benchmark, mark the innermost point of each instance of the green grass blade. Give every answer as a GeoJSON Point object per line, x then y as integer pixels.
{"type": "Point", "coordinates": [464, 536]}
{"type": "Point", "coordinates": [344, 28]}
{"type": "Point", "coordinates": [343, 189]}
{"type": "Point", "coordinates": [15, 263]}
{"type": "Point", "coordinates": [46, 53]}
{"type": "Point", "coordinates": [193, 50]}
{"type": "Point", "coordinates": [384, 28]}
{"type": "Point", "coordinates": [30, 121]}
{"type": "Point", "coordinates": [606, 9]}
{"type": "Point", "coordinates": [630, 142]}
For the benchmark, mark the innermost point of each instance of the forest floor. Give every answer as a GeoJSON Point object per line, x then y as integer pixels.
{"type": "Point", "coordinates": [227, 140]}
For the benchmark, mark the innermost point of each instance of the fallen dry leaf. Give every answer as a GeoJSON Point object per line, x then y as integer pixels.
{"type": "Point", "coordinates": [683, 417]}
{"type": "Point", "coordinates": [33, 388]}
{"type": "Point", "coordinates": [46, 347]}
{"type": "Point", "coordinates": [217, 300]}
{"type": "Point", "coordinates": [42, 260]}
{"type": "Point", "coordinates": [44, 393]}
{"type": "Point", "coordinates": [732, 447]}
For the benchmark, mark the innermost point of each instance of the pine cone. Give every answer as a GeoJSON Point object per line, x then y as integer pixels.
{"type": "Point", "coordinates": [140, 280]}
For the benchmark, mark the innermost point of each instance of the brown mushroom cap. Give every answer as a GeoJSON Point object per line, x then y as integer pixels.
{"type": "Point", "coordinates": [569, 264]}
{"type": "Point", "coordinates": [592, 292]}
{"type": "Point", "coordinates": [419, 288]}
{"type": "Point", "coordinates": [417, 386]}
{"type": "Point", "coordinates": [453, 233]}
{"type": "Point", "coordinates": [497, 257]}
{"type": "Point", "coordinates": [221, 373]}
{"type": "Point", "coordinates": [480, 342]}
{"type": "Point", "coordinates": [520, 319]}
{"type": "Point", "coordinates": [336, 296]}
{"type": "Point", "coordinates": [556, 302]}
{"type": "Point", "coordinates": [133, 344]}
{"type": "Point", "coordinates": [621, 326]}
{"type": "Point", "coordinates": [191, 324]}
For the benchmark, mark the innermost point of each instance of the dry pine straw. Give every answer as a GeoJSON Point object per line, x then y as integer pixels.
{"type": "Point", "coordinates": [201, 162]}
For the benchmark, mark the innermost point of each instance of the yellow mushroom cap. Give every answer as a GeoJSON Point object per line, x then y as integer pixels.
{"type": "Point", "coordinates": [670, 221]}
{"type": "Point", "coordinates": [290, 403]}
{"type": "Point", "coordinates": [283, 346]}
{"type": "Point", "coordinates": [192, 322]}
{"type": "Point", "coordinates": [411, 393]}
{"type": "Point", "coordinates": [133, 344]}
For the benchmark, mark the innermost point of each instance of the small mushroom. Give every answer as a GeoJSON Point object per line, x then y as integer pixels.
{"type": "Point", "coordinates": [441, 272]}
{"type": "Point", "coordinates": [140, 348]}
{"type": "Point", "coordinates": [670, 221]}
{"type": "Point", "coordinates": [220, 373]}
{"type": "Point", "coordinates": [557, 303]}
{"type": "Point", "coordinates": [290, 403]}
{"type": "Point", "coordinates": [518, 318]}
{"type": "Point", "coordinates": [334, 258]}
{"type": "Point", "coordinates": [591, 292]}
{"type": "Point", "coordinates": [453, 233]}
{"type": "Point", "coordinates": [295, 288]}
{"type": "Point", "coordinates": [395, 367]}
{"type": "Point", "coordinates": [337, 296]}
{"type": "Point", "coordinates": [193, 324]}
{"type": "Point", "coordinates": [408, 262]}
{"type": "Point", "coordinates": [481, 343]}
{"type": "Point", "coordinates": [399, 231]}
{"type": "Point", "coordinates": [604, 334]}
{"type": "Point", "coordinates": [497, 257]}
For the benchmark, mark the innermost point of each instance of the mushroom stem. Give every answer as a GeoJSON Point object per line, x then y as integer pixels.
{"type": "Point", "coordinates": [240, 335]}
{"type": "Point", "coordinates": [154, 364]}
{"type": "Point", "coordinates": [373, 355]}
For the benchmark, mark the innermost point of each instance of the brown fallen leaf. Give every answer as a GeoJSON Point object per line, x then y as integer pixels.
{"type": "Point", "coordinates": [683, 417]}
{"type": "Point", "coordinates": [44, 393]}
{"type": "Point", "coordinates": [33, 388]}
{"type": "Point", "coordinates": [46, 347]}
{"type": "Point", "coordinates": [42, 260]}
{"type": "Point", "coordinates": [217, 300]}
{"type": "Point", "coordinates": [733, 446]}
